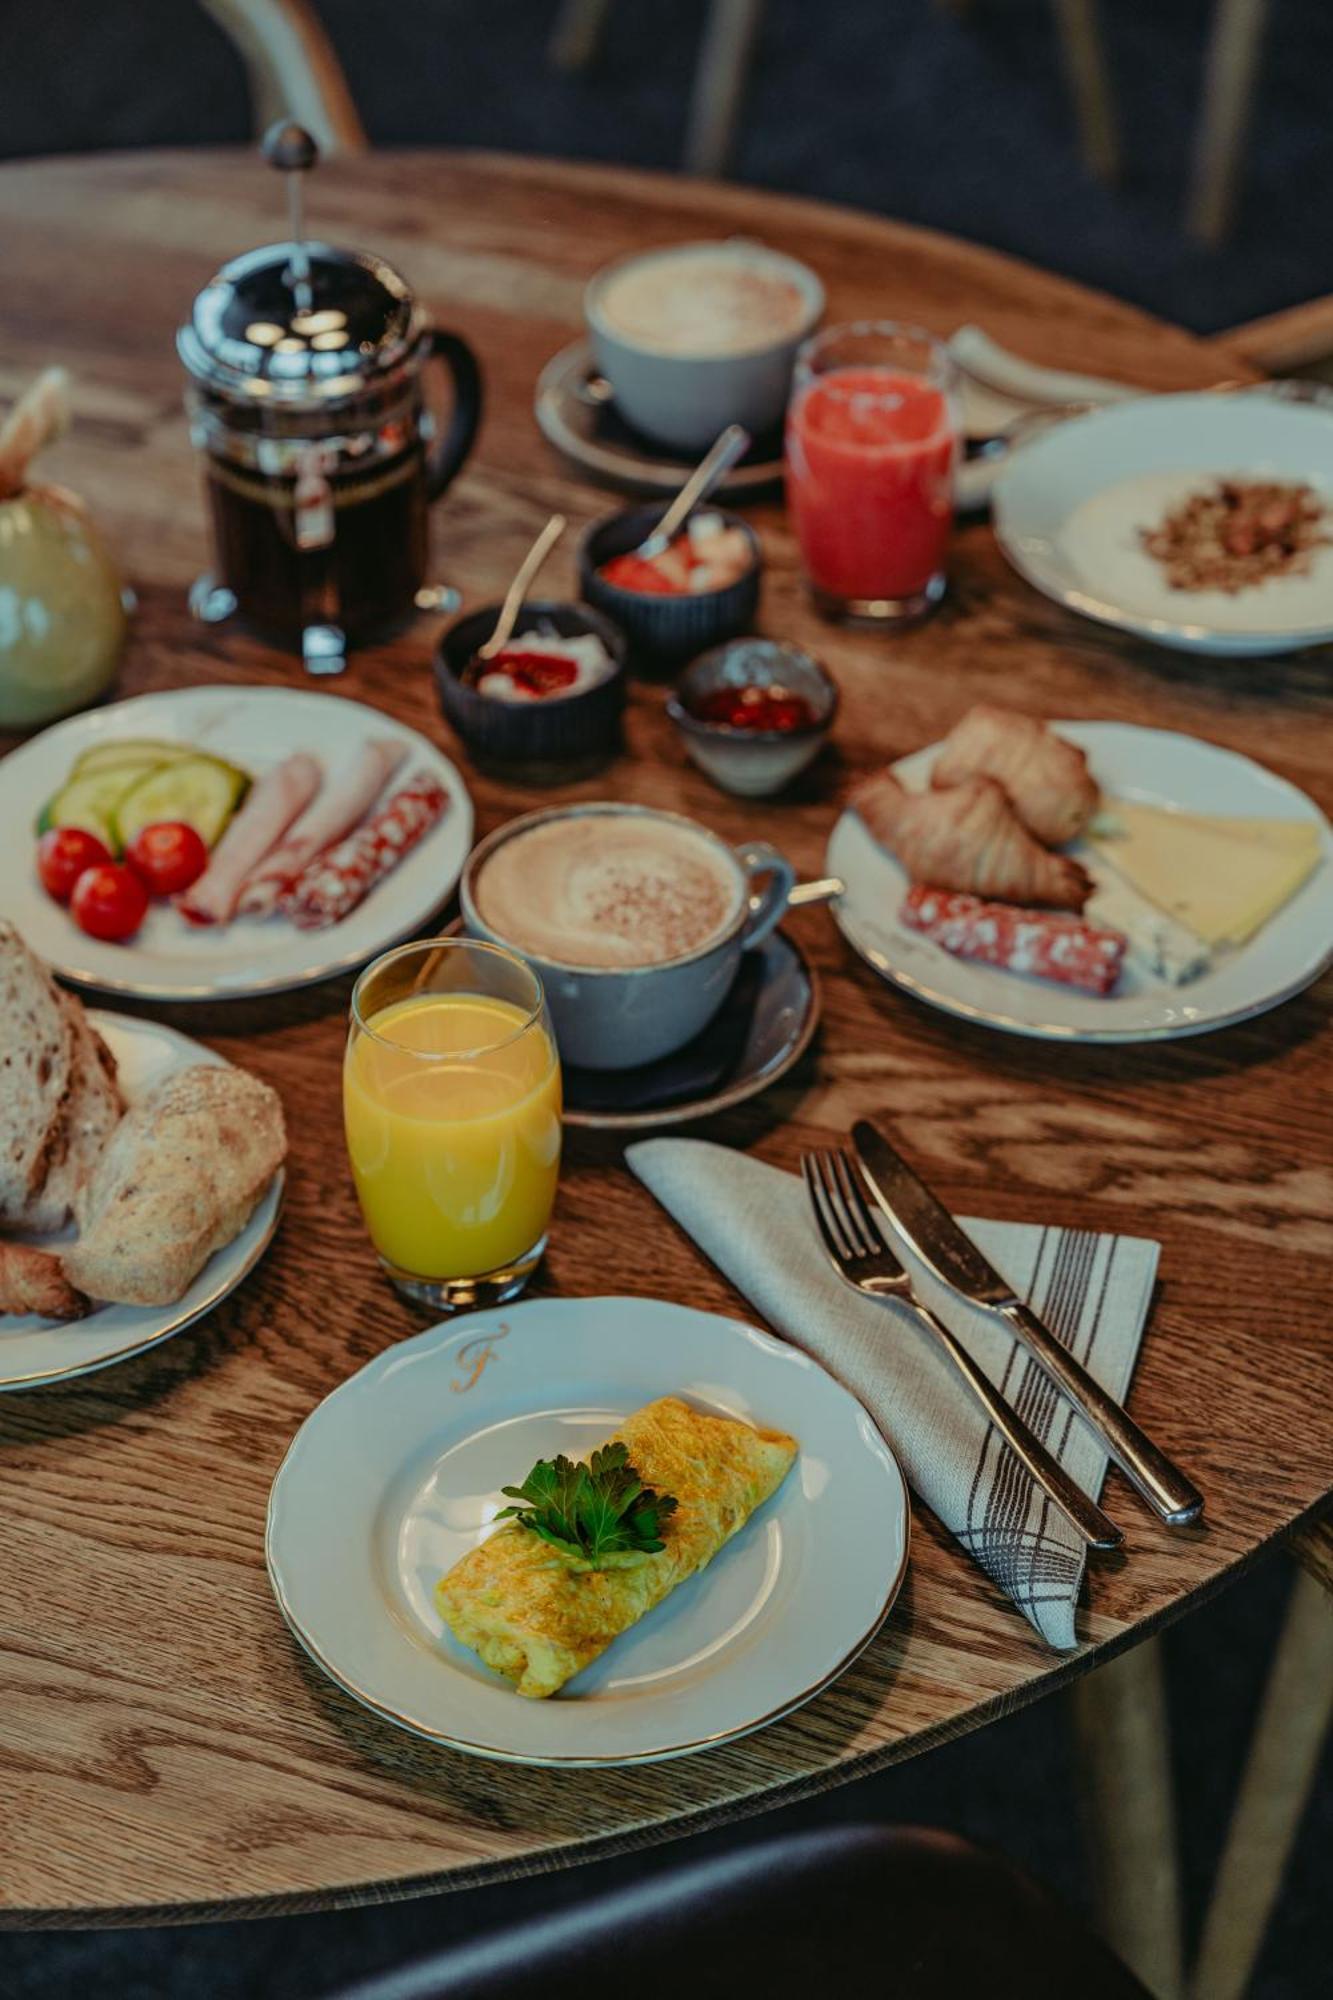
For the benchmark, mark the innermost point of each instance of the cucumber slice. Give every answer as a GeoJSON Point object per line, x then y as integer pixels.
{"type": "Point", "coordinates": [202, 791]}
{"type": "Point", "coordinates": [89, 799]}
{"type": "Point", "coordinates": [142, 750]}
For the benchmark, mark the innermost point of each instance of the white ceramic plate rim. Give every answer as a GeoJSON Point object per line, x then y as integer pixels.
{"type": "Point", "coordinates": [1048, 573]}
{"type": "Point", "coordinates": [1088, 735]}
{"type": "Point", "coordinates": [450, 840]}
{"type": "Point", "coordinates": [224, 1271]}
{"type": "Point", "coordinates": [440, 1342]}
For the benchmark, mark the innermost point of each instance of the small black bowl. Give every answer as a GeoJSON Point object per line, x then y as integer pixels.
{"type": "Point", "coordinates": [666, 630]}
{"type": "Point", "coordinates": [559, 737]}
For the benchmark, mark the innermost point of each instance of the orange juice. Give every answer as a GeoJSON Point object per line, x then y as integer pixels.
{"type": "Point", "coordinates": [452, 1109]}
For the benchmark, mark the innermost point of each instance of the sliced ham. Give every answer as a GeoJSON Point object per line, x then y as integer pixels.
{"type": "Point", "coordinates": [340, 806]}
{"type": "Point", "coordinates": [275, 801]}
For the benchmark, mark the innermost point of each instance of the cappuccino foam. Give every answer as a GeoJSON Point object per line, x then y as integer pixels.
{"type": "Point", "coordinates": [702, 303]}
{"type": "Point", "coordinates": [608, 889]}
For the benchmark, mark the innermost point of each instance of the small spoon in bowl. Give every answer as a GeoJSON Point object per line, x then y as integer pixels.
{"type": "Point", "coordinates": [518, 589]}
{"type": "Point", "coordinates": [731, 445]}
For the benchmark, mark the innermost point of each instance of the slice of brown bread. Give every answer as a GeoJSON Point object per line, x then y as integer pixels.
{"type": "Point", "coordinates": [37, 1057]}
{"type": "Point", "coordinates": [89, 1115]}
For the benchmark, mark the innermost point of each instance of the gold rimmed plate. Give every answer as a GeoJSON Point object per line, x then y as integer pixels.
{"type": "Point", "coordinates": [576, 414]}
{"type": "Point", "coordinates": [398, 1473]}
{"type": "Point", "coordinates": [35, 1352]}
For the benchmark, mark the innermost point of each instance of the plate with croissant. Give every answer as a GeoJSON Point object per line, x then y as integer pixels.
{"type": "Point", "coordinates": [140, 1178]}
{"type": "Point", "coordinates": [1085, 881]}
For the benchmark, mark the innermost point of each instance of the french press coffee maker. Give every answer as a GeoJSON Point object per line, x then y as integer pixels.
{"type": "Point", "coordinates": [320, 453]}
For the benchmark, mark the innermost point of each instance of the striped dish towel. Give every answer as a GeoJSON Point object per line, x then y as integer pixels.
{"type": "Point", "coordinates": [1093, 1291]}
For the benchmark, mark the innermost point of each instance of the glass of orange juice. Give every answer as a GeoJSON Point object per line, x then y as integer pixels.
{"type": "Point", "coordinates": [451, 1101]}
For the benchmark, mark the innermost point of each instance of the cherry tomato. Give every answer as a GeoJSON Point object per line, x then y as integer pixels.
{"type": "Point", "coordinates": [62, 855]}
{"type": "Point", "coordinates": [167, 856]}
{"type": "Point", "coordinates": [109, 902]}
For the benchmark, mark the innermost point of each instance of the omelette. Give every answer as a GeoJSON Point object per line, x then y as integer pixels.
{"type": "Point", "coordinates": [537, 1619]}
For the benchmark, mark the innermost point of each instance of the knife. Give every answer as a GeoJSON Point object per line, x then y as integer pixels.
{"type": "Point", "coordinates": [923, 1223]}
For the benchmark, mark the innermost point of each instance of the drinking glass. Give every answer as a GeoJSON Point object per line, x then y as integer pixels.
{"type": "Point", "coordinates": [872, 440]}
{"type": "Point", "coordinates": [451, 1104]}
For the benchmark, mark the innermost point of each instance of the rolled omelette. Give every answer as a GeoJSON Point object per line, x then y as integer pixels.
{"type": "Point", "coordinates": [537, 1621]}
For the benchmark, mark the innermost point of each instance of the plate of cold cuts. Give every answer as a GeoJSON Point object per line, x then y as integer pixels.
{"type": "Point", "coordinates": [216, 842]}
{"type": "Point", "coordinates": [1085, 881]}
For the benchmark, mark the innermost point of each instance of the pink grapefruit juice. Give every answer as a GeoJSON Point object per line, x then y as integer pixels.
{"type": "Point", "coordinates": [870, 459]}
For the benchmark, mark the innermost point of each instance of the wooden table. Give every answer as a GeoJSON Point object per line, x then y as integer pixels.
{"type": "Point", "coordinates": [165, 1749]}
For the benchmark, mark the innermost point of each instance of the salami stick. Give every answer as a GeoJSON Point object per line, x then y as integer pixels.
{"type": "Point", "coordinates": [1045, 943]}
{"type": "Point", "coordinates": [335, 882]}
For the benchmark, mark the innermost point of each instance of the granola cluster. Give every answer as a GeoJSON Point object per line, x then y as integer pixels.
{"type": "Point", "coordinates": [1238, 534]}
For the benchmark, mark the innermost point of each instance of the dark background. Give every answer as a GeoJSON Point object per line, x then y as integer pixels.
{"type": "Point", "coordinates": [964, 125]}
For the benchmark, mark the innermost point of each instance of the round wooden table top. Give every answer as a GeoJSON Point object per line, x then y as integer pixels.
{"type": "Point", "coordinates": [166, 1750]}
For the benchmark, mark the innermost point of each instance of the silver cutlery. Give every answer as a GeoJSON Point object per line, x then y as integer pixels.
{"type": "Point", "coordinates": [732, 444]}
{"type": "Point", "coordinates": [926, 1227]}
{"type": "Point", "coordinates": [859, 1254]}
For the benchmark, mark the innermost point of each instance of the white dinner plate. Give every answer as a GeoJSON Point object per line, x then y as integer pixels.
{"type": "Point", "coordinates": [35, 1351]}
{"type": "Point", "coordinates": [1157, 767]}
{"type": "Point", "coordinates": [170, 959]}
{"type": "Point", "coordinates": [398, 1473]}
{"type": "Point", "coordinates": [1068, 507]}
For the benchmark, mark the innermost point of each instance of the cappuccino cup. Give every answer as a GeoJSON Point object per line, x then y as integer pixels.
{"type": "Point", "coordinates": [635, 921]}
{"type": "Point", "coordinates": [701, 335]}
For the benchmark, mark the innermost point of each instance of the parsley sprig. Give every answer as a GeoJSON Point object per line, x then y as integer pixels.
{"type": "Point", "coordinates": [597, 1516]}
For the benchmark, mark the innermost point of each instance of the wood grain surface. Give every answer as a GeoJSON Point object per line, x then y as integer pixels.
{"type": "Point", "coordinates": [165, 1749]}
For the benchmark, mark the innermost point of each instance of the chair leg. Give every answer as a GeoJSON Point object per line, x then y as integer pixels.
{"type": "Point", "coordinates": [1120, 1735]}
{"type": "Point", "coordinates": [577, 33]}
{"type": "Point", "coordinates": [1294, 1715]}
{"type": "Point", "coordinates": [1228, 90]}
{"type": "Point", "coordinates": [719, 83]}
{"type": "Point", "coordinates": [1089, 78]}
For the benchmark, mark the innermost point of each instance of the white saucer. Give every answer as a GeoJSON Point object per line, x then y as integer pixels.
{"type": "Point", "coordinates": [36, 1351]}
{"type": "Point", "coordinates": [398, 1473]}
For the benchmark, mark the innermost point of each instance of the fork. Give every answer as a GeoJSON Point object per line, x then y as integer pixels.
{"type": "Point", "coordinates": [863, 1260]}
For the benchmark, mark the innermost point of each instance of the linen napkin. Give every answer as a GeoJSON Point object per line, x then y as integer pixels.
{"type": "Point", "coordinates": [753, 1221]}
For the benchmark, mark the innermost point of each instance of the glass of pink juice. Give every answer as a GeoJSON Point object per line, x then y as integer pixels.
{"type": "Point", "coordinates": [872, 438]}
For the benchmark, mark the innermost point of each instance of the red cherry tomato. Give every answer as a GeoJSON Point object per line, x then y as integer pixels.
{"type": "Point", "coordinates": [62, 855]}
{"type": "Point", "coordinates": [167, 857]}
{"type": "Point", "coordinates": [109, 902]}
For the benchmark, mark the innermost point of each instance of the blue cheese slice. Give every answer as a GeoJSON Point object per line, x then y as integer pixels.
{"type": "Point", "coordinates": [1166, 948]}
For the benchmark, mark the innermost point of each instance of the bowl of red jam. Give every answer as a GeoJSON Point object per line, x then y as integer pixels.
{"type": "Point", "coordinates": [548, 706]}
{"type": "Point", "coordinates": [703, 590]}
{"type": "Point", "coordinates": [754, 713]}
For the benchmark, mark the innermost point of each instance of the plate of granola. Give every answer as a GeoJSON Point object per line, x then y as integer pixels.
{"type": "Point", "coordinates": [1202, 522]}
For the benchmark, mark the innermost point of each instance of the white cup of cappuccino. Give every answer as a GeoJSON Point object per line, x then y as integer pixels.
{"type": "Point", "coordinates": [701, 335]}
{"type": "Point", "coordinates": [635, 921]}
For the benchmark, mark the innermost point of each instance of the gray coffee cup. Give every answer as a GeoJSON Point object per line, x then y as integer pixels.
{"type": "Point", "coordinates": [684, 400]}
{"type": "Point", "coordinates": [616, 1017]}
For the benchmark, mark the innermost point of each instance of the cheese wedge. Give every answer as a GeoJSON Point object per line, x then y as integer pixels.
{"type": "Point", "coordinates": [1222, 878]}
{"type": "Point", "coordinates": [536, 1620]}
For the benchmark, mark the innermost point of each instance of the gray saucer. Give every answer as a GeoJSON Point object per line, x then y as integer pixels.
{"type": "Point", "coordinates": [765, 1026]}
{"type": "Point", "coordinates": [576, 413]}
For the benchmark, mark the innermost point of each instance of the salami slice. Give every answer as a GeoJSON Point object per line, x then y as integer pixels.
{"type": "Point", "coordinates": [342, 877]}
{"type": "Point", "coordinates": [1045, 943]}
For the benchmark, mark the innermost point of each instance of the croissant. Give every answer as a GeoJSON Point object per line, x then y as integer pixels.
{"type": "Point", "coordinates": [968, 839]}
{"type": "Point", "coordinates": [1053, 792]}
{"type": "Point", "coordinates": [31, 1281]}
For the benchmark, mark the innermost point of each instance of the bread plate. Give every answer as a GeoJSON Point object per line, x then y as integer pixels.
{"type": "Point", "coordinates": [398, 1473]}
{"type": "Point", "coordinates": [255, 728]}
{"type": "Point", "coordinates": [35, 1352]}
{"type": "Point", "coordinates": [1158, 767]}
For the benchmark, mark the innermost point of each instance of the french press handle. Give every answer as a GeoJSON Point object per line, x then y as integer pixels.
{"type": "Point", "coordinates": [449, 453]}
